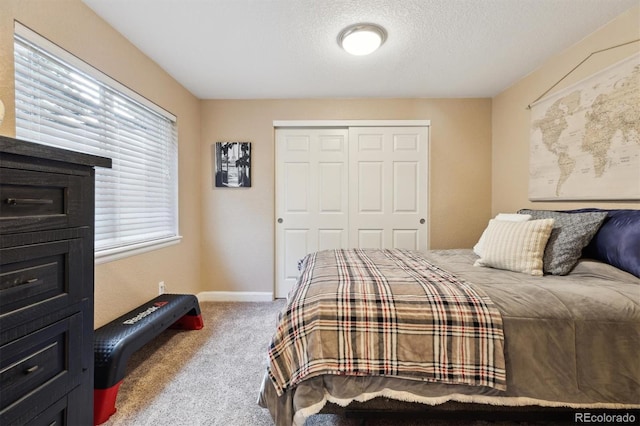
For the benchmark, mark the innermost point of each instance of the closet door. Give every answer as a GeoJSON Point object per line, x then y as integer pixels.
{"type": "Point", "coordinates": [388, 187]}
{"type": "Point", "coordinates": [311, 197]}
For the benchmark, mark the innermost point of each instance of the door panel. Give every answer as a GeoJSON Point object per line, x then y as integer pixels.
{"type": "Point", "coordinates": [331, 187]}
{"type": "Point", "coordinates": [311, 197]}
{"type": "Point", "coordinates": [296, 187]}
{"type": "Point", "coordinates": [406, 181]}
{"type": "Point", "coordinates": [388, 187]}
{"type": "Point", "coordinates": [370, 238]}
{"type": "Point", "coordinates": [370, 194]}
{"type": "Point", "coordinates": [296, 244]}
{"type": "Point", "coordinates": [329, 239]}
{"type": "Point", "coordinates": [405, 239]}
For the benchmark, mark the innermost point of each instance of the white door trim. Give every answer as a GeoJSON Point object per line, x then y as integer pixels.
{"type": "Point", "coordinates": [351, 123]}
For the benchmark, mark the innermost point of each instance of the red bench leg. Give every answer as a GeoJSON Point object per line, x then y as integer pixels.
{"type": "Point", "coordinates": [104, 403]}
{"type": "Point", "coordinates": [189, 322]}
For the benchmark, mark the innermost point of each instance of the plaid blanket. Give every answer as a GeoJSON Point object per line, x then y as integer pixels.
{"type": "Point", "coordinates": [386, 313]}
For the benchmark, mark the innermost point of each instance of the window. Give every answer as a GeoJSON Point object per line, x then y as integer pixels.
{"type": "Point", "coordinates": [63, 102]}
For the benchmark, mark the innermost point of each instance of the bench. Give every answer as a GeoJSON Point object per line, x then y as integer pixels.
{"type": "Point", "coordinates": [114, 343]}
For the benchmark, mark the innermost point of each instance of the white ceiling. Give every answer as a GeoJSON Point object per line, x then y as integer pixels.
{"type": "Point", "coordinates": [256, 49]}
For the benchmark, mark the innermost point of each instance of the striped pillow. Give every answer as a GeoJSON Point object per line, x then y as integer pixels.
{"type": "Point", "coordinates": [516, 246]}
{"type": "Point", "coordinates": [513, 217]}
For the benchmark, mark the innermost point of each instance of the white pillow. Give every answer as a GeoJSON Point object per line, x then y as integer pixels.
{"type": "Point", "coordinates": [512, 217]}
{"type": "Point", "coordinates": [516, 246]}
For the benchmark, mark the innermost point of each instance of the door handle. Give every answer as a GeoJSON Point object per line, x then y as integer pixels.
{"type": "Point", "coordinates": [280, 220]}
{"type": "Point", "coordinates": [422, 221]}
{"type": "Point", "coordinates": [31, 369]}
{"type": "Point", "coordinates": [16, 201]}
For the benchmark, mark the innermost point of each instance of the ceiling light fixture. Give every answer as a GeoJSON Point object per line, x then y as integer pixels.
{"type": "Point", "coordinates": [362, 39]}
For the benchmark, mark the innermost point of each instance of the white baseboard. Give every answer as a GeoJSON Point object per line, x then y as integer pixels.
{"type": "Point", "coordinates": [235, 296]}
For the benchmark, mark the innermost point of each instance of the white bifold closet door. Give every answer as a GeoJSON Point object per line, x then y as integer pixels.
{"type": "Point", "coordinates": [358, 187]}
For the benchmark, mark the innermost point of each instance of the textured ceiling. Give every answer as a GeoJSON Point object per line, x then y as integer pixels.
{"type": "Point", "coordinates": [251, 49]}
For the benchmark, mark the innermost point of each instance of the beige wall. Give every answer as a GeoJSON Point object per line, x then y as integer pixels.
{"type": "Point", "coordinates": [125, 284]}
{"type": "Point", "coordinates": [238, 228]}
{"type": "Point", "coordinates": [511, 119]}
{"type": "Point", "coordinates": [235, 247]}
{"type": "Point", "coordinates": [477, 148]}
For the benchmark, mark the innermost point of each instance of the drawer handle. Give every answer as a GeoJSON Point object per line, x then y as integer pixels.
{"type": "Point", "coordinates": [31, 369]}
{"type": "Point", "coordinates": [16, 201]}
{"type": "Point", "coordinates": [30, 281]}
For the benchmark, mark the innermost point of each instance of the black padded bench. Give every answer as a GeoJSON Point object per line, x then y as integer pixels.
{"type": "Point", "coordinates": [115, 342]}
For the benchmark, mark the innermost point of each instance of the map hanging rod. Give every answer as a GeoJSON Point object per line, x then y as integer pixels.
{"type": "Point", "coordinates": [576, 67]}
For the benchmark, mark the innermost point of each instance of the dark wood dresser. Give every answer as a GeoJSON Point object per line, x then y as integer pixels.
{"type": "Point", "coordinates": [46, 284]}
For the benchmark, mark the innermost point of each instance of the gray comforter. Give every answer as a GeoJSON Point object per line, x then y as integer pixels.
{"type": "Point", "coordinates": [569, 341]}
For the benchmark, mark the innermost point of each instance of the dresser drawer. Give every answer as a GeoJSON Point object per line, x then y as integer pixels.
{"type": "Point", "coordinates": [38, 279]}
{"type": "Point", "coordinates": [55, 415]}
{"type": "Point", "coordinates": [32, 201]}
{"type": "Point", "coordinates": [39, 369]}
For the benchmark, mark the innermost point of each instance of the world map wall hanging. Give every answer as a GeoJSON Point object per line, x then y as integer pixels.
{"type": "Point", "coordinates": [585, 139]}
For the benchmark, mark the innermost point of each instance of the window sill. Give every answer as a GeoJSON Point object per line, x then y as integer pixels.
{"type": "Point", "coordinates": [105, 256]}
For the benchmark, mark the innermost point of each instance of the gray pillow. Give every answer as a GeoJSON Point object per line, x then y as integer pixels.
{"type": "Point", "coordinates": [571, 233]}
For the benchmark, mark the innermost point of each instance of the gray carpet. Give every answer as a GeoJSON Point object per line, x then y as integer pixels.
{"type": "Point", "coordinates": [212, 376]}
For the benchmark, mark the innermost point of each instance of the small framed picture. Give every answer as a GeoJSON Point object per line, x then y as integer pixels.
{"type": "Point", "coordinates": [232, 165]}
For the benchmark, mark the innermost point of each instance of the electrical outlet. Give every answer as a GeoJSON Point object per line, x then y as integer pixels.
{"type": "Point", "coordinates": [161, 287]}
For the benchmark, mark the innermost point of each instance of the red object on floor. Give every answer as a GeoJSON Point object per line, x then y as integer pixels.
{"type": "Point", "coordinates": [189, 322]}
{"type": "Point", "coordinates": [104, 403]}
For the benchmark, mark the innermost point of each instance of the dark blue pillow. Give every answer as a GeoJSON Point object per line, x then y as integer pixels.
{"type": "Point", "coordinates": [617, 242]}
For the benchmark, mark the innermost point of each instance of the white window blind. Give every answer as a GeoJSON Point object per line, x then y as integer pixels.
{"type": "Point", "coordinates": [63, 102]}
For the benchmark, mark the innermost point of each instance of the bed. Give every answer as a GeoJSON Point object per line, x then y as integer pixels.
{"type": "Point", "coordinates": [543, 312]}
